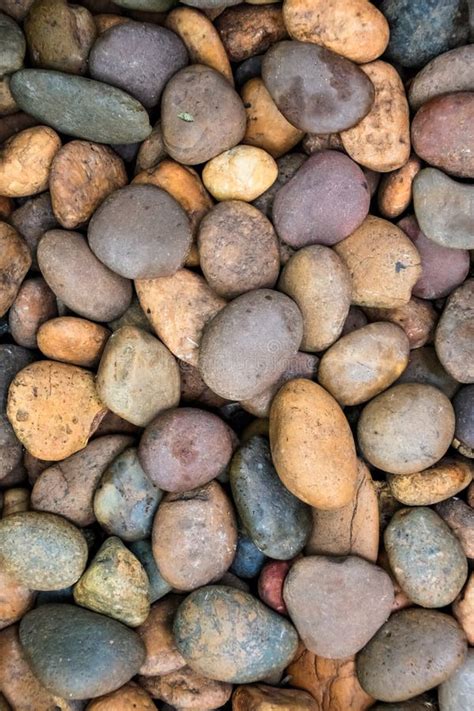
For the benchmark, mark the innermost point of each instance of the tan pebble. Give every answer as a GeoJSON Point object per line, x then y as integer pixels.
{"type": "Point", "coordinates": [15, 600]}
{"type": "Point", "coordinates": [430, 486]}
{"type": "Point", "coordinates": [105, 21]}
{"type": "Point", "coordinates": [383, 264]}
{"type": "Point", "coordinates": [259, 697]}
{"type": "Point", "coordinates": [54, 408]}
{"type": "Point", "coordinates": [15, 500]}
{"type": "Point", "coordinates": [381, 140]}
{"type": "Point", "coordinates": [417, 318]}
{"type": "Point", "coordinates": [35, 303]}
{"type": "Point", "coordinates": [313, 142]}
{"type": "Point", "coordinates": [15, 260]}
{"type": "Point", "coordinates": [463, 609]}
{"type": "Point", "coordinates": [395, 190]}
{"type": "Point", "coordinates": [187, 690]}
{"type": "Point", "coordinates": [73, 340]}
{"type": "Point", "coordinates": [8, 104]}
{"type": "Point", "coordinates": [241, 173]}
{"type": "Point", "coordinates": [162, 655]}
{"type": "Point", "coordinates": [25, 161]}
{"type": "Point", "coordinates": [130, 696]}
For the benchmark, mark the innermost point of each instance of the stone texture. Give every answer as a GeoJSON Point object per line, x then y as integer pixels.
{"type": "Point", "coordinates": [457, 692]}
{"type": "Point", "coordinates": [430, 486]}
{"type": "Point", "coordinates": [15, 599]}
{"type": "Point", "coordinates": [463, 609]}
{"type": "Point", "coordinates": [395, 190]}
{"type": "Point", "coordinates": [187, 687]}
{"type": "Point", "coordinates": [460, 518]}
{"type": "Point", "coordinates": [37, 147]}
{"type": "Point", "coordinates": [241, 173]}
{"type": "Point", "coordinates": [15, 260]}
{"type": "Point", "coordinates": [424, 367]}
{"type": "Point", "coordinates": [453, 338]}
{"type": "Point", "coordinates": [129, 696]}
{"type": "Point", "coordinates": [464, 432]}
{"type": "Point", "coordinates": [248, 31]}
{"type": "Point", "coordinates": [35, 303]}
{"type": "Point", "coordinates": [162, 656]}
{"type": "Point", "coordinates": [13, 45]}
{"type": "Point", "coordinates": [73, 340]}
{"type": "Point", "coordinates": [268, 698]}
{"type": "Point", "coordinates": [450, 71]}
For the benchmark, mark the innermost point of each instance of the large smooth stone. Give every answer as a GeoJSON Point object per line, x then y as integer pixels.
{"type": "Point", "coordinates": [138, 377]}
{"type": "Point", "coordinates": [413, 652]}
{"type": "Point", "coordinates": [430, 486]}
{"type": "Point", "coordinates": [12, 45]}
{"type": "Point", "coordinates": [425, 556]}
{"type": "Point", "coordinates": [444, 209]}
{"type": "Point", "coordinates": [407, 428]}
{"type": "Point", "coordinates": [337, 604]}
{"type": "Point", "coordinates": [245, 347]}
{"type": "Point", "coordinates": [442, 133]}
{"type": "Point", "coordinates": [248, 643]}
{"type": "Point", "coordinates": [125, 501]}
{"type": "Point", "coordinates": [312, 445]}
{"type": "Point", "coordinates": [457, 693]}
{"type": "Point", "coordinates": [316, 90]}
{"type": "Point", "coordinates": [156, 55]}
{"type": "Point", "coordinates": [100, 112]}
{"type": "Point", "coordinates": [421, 30]}
{"type": "Point", "coordinates": [77, 653]}
{"type": "Point", "coordinates": [115, 584]}
{"type": "Point", "coordinates": [303, 208]}
{"type": "Point", "coordinates": [42, 551]}
{"type": "Point", "coordinates": [15, 261]}
{"type": "Point", "coordinates": [77, 277]}
{"type": "Point", "coordinates": [453, 339]}
{"type": "Point", "coordinates": [277, 522]}
{"type": "Point", "coordinates": [451, 71]}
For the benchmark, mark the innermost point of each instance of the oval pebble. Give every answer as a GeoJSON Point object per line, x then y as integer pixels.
{"type": "Point", "coordinates": [450, 71]}
{"type": "Point", "coordinates": [72, 340]}
{"type": "Point", "coordinates": [15, 260]}
{"type": "Point", "coordinates": [453, 339]}
{"type": "Point", "coordinates": [430, 486]}
{"type": "Point", "coordinates": [396, 188]}
{"type": "Point", "coordinates": [241, 173]}
{"type": "Point", "coordinates": [162, 656]}
{"type": "Point", "coordinates": [457, 692]}
{"type": "Point", "coordinates": [38, 147]}
{"type": "Point", "coordinates": [35, 303]}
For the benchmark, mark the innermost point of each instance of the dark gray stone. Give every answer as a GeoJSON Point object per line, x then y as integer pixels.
{"type": "Point", "coordinates": [12, 45]}
{"type": "Point", "coordinates": [158, 585]}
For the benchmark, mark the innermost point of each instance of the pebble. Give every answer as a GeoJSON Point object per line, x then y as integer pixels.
{"type": "Point", "coordinates": [115, 584]}
{"type": "Point", "coordinates": [457, 692]}
{"type": "Point", "coordinates": [28, 176]}
{"type": "Point", "coordinates": [287, 167]}
{"type": "Point", "coordinates": [32, 220]}
{"type": "Point", "coordinates": [443, 208]}
{"type": "Point", "coordinates": [306, 80]}
{"type": "Point", "coordinates": [77, 653]}
{"type": "Point", "coordinates": [157, 55]}
{"type": "Point", "coordinates": [158, 587]}
{"type": "Point", "coordinates": [463, 609]}
{"type": "Point", "coordinates": [406, 429]}
{"type": "Point", "coordinates": [72, 340]}
{"type": "Point", "coordinates": [54, 409]}
{"type": "Point", "coordinates": [15, 260]}
{"type": "Point", "coordinates": [464, 432]}
{"type": "Point", "coordinates": [241, 173]}
{"type": "Point", "coordinates": [460, 518]}
{"type": "Point", "coordinates": [424, 367]}
{"type": "Point", "coordinates": [381, 140]}
{"type": "Point", "coordinates": [249, 559]}
{"type": "Point", "coordinates": [185, 686]}
{"type": "Point", "coordinates": [417, 318]}
{"type": "Point", "coordinates": [312, 446]}
{"type": "Point", "coordinates": [67, 488]}
{"type": "Point", "coordinates": [442, 133]}
{"type": "Point", "coordinates": [453, 338]}
{"type": "Point", "coordinates": [35, 303]}
{"type": "Point", "coordinates": [41, 550]}
{"type": "Point", "coordinates": [263, 698]}
{"type": "Point", "coordinates": [337, 604]}
{"type": "Point", "coordinates": [302, 209]}
{"type": "Point", "coordinates": [104, 113]}
{"type": "Point", "coordinates": [250, 643]}
{"type": "Point", "coordinates": [395, 192]}
{"type": "Point", "coordinates": [162, 656]}
{"type": "Point", "coordinates": [426, 558]}
{"type": "Point", "coordinates": [129, 696]}
{"type": "Point", "coordinates": [437, 648]}
{"type": "Point", "coordinates": [15, 600]}
{"type": "Point", "coordinates": [185, 448]}
{"type": "Point", "coordinates": [270, 584]}
{"type": "Point", "coordinates": [449, 72]}
{"type": "Point", "coordinates": [277, 522]}
{"type": "Point", "coordinates": [13, 45]}
{"type": "Point", "coordinates": [430, 486]}
{"type": "Point", "coordinates": [12, 359]}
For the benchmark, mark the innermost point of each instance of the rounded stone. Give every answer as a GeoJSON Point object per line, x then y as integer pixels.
{"type": "Point", "coordinates": [277, 522]}
{"type": "Point", "coordinates": [337, 604]}
{"type": "Point", "coordinates": [102, 113]}
{"type": "Point", "coordinates": [457, 692]}
{"type": "Point", "coordinates": [424, 367]}
{"type": "Point", "coordinates": [302, 208]}
{"type": "Point", "coordinates": [263, 698]}
{"type": "Point", "coordinates": [463, 609]}
{"type": "Point", "coordinates": [395, 191]}
{"type": "Point", "coordinates": [449, 72]}
{"type": "Point", "coordinates": [288, 165]}
{"type": "Point", "coordinates": [72, 340]}
{"type": "Point", "coordinates": [15, 600]}
{"type": "Point", "coordinates": [15, 260]}
{"type": "Point", "coordinates": [459, 516]}
{"type": "Point", "coordinates": [245, 347]}
{"type": "Point", "coordinates": [417, 318]}
{"type": "Point", "coordinates": [312, 446]}
{"type": "Point", "coordinates": [201, 115]}
{"type": "Point", "coordinates": [407, 428]}
{"type": "Point", "coordinates": [35, 303]}
{"type": "Point", "coordinates": [162, 656]}
{"type": "Point", "coordinates": [139, 58]}
{"type": "Point", "coordinates": [249, 30]}
{"type": "Point", "coordinates": [129, 696]}
{"type": "Point", "coordinates": [194, 536]}
{"type": "Point", "coordinates": [453, 339]}
{"type": "Point", "coordinates": [250, 642]}
{"type": "Point", "coordinates": [187, 690]}
{"type": "Point", "coordinates": [270, 584]}
{"type": "Point", "coordinates": [185, 448]}
{"type": "Point", "coordinates": [42, 551]}
{"type": "Point", "coordinates": [436, 645]}
{"type": "Point", "coordinates": [37, 147]}
{"type": "Point", "coordinates": [140, 232]}
{"type": "Point", "coordinates": [430, 486]}
{"type": "Point", "coordinates": [125, 500]}
{"type": "Point", "coordinates": [464, 409]}
{"type": "Point", "coordinates": [316, 90]}
{"type": "Point", "coordinates": [425, 556]}
{"type": "Point", "coordinates": [77, 277]}
{"type": "Point", "coordinates": [13, 45]}
{"type": "Point", "coordinates": [77, 653]}
{"type": "Point", "coordinates": [442, 133]}
{"type": "Point", "coordinates": [32, 220]}
{"type": "Point", "coordinates": [241, 173]}
{"type": "Point", "coordinates": [364, 363]}
{"type": "Point", "coordinates": [248, 560]}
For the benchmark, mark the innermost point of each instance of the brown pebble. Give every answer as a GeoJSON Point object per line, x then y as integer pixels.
{"type": "Point", "coordinates": [15, 600]}
{"type": "Point", "coordinates": [463, 609]}
{"type": "Point", "coordinates": [249, 30]}
{"type": "Point", "coordinates": [417, 318]}
{"type": "Point", "coordinates": [460, 518]}
{"type": "Point", "coordinates": [162, 656]}
{"type": "Point", "coordinates": [15, 500]}
{"type": "Point", "coordinates": [430, 486]}
{"type": "Point", "coordinates": [25, 161]}
{"type": "Point", "coordinates": [130, 696]}
{"type": "Point", "coordinates": [260, 697]}
{"type": "Point", "coordinates": [35, 303]}
{"type": "Point", "coordinates": [73, 340]}
{"type": "Point", "coordinates": [15, 260]}
{"type": "Point", "coordinates": [188, 690]}
{"type": "Point", "coordinates": [395, 190]}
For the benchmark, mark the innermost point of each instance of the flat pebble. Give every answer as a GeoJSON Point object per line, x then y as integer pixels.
{"type": "Point", "coordinates": [241, 173]}
{"type": "Point", "coordinates": [450, 71]}
{"type": "Point", "coordinates": [430, 486]}
{"type": "Point", "coordinates": [453, 339]}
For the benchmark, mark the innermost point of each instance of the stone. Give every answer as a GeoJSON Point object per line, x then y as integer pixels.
{"type": "Point", "coordinates": [316, 90]}
{"type": "Point", "coordinates": [449, 72]}
{"type": "Point", "coordinates": [15, 260]}
{"type": "Point", "coordinates": [249, 31]}
{"type": "Point", "coordinates": [41, 550]}
{"type": "Point", "coordinates": [270, 584]}
{"type": "Point", "coordinates": [260, 329]}
{"type": "Point", "coordinates": [424, 367]}
{"type": "Point", "coordinates": [129, 696]}
{"type": "Point", "coordinates": [72, 340]}
{"type": "Point", "coordinates": [250, 642]}
{"type": "Point", "coordinates": [32, 220]}
{"type": "Point", "coordinates": [464, 432]}
{"type": "Point", "coordinates": [35, 303]}
{"type": "Point", "coordinates": [277, 522]}
{"type": "Point", "coordinates": [302, 210]}
{"type": "Point", "coordinates": [417, 318]}
{"type": "Point", "coordinates": [261, 697]}
{"type": "Point", "coordinates": [187, 687]}
{"type": "Point", "coordinates": [437, 648]}
{"type": "Point", "coordinates": [158, 587]}
{"type": "Point", "coordinates": [37, 147]}
{"type": "Point", "coordinates": [288, 165]}
{"type": "Point", "coordinates": [162, 656]}
{"type": "Point", "coordinates": [430, 486]}
{"type": "Point", "coordinates": [54, 409]}
{"type": "Point", "coordinates": [157, 55]}
{"type": "Point", "coordinates": [457, 692]}
{"type": "Point", "coordinates": [444, 209]}
{"type": "Point", "coordinates": [15, 599]}
{"type": "Point", "coordinates": [460, 518]}
{"type": "Point", "coordinates": [77, 653]}
{"type": "Point", "coordinates": [104, 113]}
{"type": "Point", "coordinates": [395, 190]}
{"type": "Point", "coordinates": [11, 452]}
{"type": "Point", "coordinates": [115, 584]}
{"type": "Point", "coordinates": [125, 501]}
{"type": "Point", "coordinates": [13, 44]}
{"type": "Point", "coordinates": [453, 339]}
{"type": "Point", "coordinates": [12, 359]}
{"type": "Point", "coordinates": [463, 609]}
{"type": "Point", "coordinates": [241, 173]}
{"type": "Point", "coordinates": [337, 604]}
{"type": "Point", "coordinates": [248, 560]}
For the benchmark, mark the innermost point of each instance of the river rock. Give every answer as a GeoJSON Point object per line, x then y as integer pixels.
{"type": "Point", "coordinates": [13, 45]}
{"type": "Point", "coordinates": [11, 452]}
{"type": "Point", "coordinates": [395, 191]}
{"type": "Point", "coordinates": [422, 30]}
{"type": "Point", "coordinates": [426, 558]}
{"type": "Point", "coordinates": [104, 113]}
{"type": "Point", "coordinates": [158, 587]}
{"type": "Point", "coordinates": [430, 486]}
{"type": "Point", "coordinates": [247, 31]}
{"type": "Point", "coordinates": [302, 211]}
{"type": "Point", "coordinates": [37, 146]}
{"type": "Point", "coordinates": [15, 260]}
{"type": "Point", "coordinates": [261, 697]}
{"type": "Point", "coordinates": [261, 330]}
{"type": "Point", "coordinates": [241, 173]}
{"type": "Point", "coordinates": [187, 687]}
{"type": "Point", "coordinates": [32, 220]}
{"type": "Point", "coordinates": [424, 367]}
{"type": "Point", "coordinates": [337, 604]}
{"type": "Point", "coordinates": [437, 648]}
{"type": "Point", "coordinates": [72, 340]}
{"type": "Point", "coordinates": [460, 518]}
{"type": "Point", "coordinates": [464, 432]}
{"type": "Point", "coordinates": [457, 692]}
{"type": "Point", "coordinates": [77, 653]}
{"type": "Point", "coordinates": [312, 446]}
{"type": "Point", "coordinates": [277, 522]}
{"type": "Point", "coordinates": [162, 656]}
{"type": "Point", "coordinates": [35, 303]}
{"type": "Point", "coordinates": [250, 642]}
{"type": "Point", "coordinates": [453, 339]}
{"type": "Point", "coordinates": [249, 559]}
{"type": "Point", "coordinates": [306, 82]}
{"type": "Point", "coordinates": [157, 55]}
{"type": "Point", "coordinates": [417, 318]}
{"type": "Point", "coordinates": [463, 609]}
{"type": "Point", "coordinates": [288, 165]}
{"type": "Point", "coordinates": [15, 599]}
{"type": "Point", "coordinates": [129, 696]}
{"type": "Point", "coordinates": [449, 72]}
{"type": "Point", "coordinates": [43, 551]}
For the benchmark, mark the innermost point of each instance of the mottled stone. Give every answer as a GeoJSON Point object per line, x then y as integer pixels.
{"type": "Point", "coordinates": [450, 71]}
{"type": "Point", "coordinates": [162, 656]}
{"type": "Point", "coordinates": [37, 147]}
{"type": "Point", "coordinates": [453, 339]}
{"type": "Point", "coordinates": [430, 486]}
{"type": "Point", "coordinates": [15, 260]}
{"type": "Point", "coordinates": [158, 587]}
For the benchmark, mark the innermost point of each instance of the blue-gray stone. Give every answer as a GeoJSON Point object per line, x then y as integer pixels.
{"type": "Point", "coordinates": [248, 560]}
{"type": "Point", "coordinates": [158, 585]}
{"type": "Point", "coordinates": [12, 45]}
